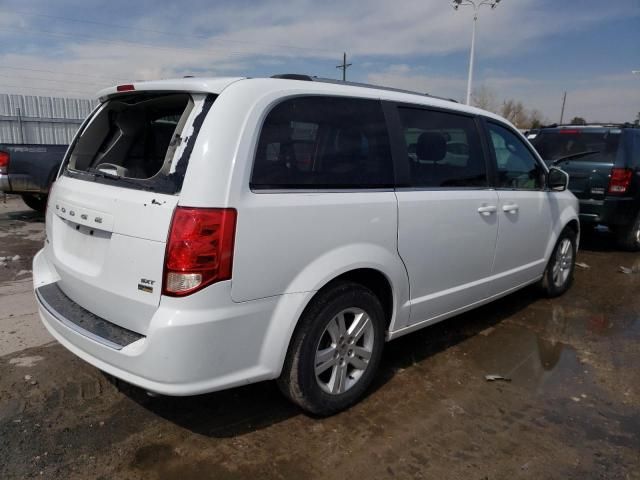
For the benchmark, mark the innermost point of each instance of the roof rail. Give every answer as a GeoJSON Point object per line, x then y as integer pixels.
{"type": "Point", "coordinates": [309, 78]}
{"type": "Point", "coordinates": [294, 76]}
{"type": "Point", "coordinates": [594, 124]}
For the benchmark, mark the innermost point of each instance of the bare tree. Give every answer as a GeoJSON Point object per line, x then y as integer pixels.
{"type": "Point", "coordinates": [536, 119]}
{"type": "Point", "coordinates": [578, 121]}
{"type": "Point", "coordinates": [485, 98]}
{"type": "Point", "coordinates": [515, 112]}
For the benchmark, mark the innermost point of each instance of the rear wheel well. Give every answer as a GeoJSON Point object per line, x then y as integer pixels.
{"type": "Point", "coordinates": [375, 281]}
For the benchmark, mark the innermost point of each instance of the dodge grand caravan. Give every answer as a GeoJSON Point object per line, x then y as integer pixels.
{"type": "Point", "coordinates": [209, 233]}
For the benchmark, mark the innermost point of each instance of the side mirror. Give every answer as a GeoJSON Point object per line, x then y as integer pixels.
{"type": "Point", "coordinates": [557, 180]}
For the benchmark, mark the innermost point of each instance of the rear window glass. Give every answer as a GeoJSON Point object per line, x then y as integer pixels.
{"type": "Point", "coordinates": [323, 142]}
{"type": "Point", "coordinates": [136, 141]}
{"type": "Point", "coordinates": [598, 146]}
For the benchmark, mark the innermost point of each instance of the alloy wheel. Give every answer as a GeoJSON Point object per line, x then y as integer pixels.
{"type": "Point", "coordinates": [563, 263]}
{"type": "Point", "coordinates": [344, 350]}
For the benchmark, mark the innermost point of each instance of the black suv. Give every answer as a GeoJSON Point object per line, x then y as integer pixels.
{"type": "Point", "coordinates": [603, 163]}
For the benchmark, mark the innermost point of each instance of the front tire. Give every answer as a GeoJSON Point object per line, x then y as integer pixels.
{"type": "Point", "coordinates": [335, 351]}
{"type": "Point", "coordinates": [35, 201]}
{"type": "Point", "coordinates": [558, 276]}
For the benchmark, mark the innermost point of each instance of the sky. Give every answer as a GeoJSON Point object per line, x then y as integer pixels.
{"type": "Point", "coordinates": [528, 50]}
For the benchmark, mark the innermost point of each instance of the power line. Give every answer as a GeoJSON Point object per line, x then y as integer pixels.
{"type": "Point", "coordinates": [41, 79]}
{"type": "Point", "coordinates": [22, 87]}
{"type": "Point", "coordinates": [171, 34]}
{"type": "Point", "coordinates": [11, 67]}
{"type": "Point", "coordinates": [117, 42]}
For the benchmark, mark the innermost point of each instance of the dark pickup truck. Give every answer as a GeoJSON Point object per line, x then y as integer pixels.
{"type": "Point", "coordinates": [603, 163]}
{"type": "Point", "coordinates": [29, 171]}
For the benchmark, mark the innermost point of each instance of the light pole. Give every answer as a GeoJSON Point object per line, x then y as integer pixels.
{"type": "Point", "coordinates": [476, 4]}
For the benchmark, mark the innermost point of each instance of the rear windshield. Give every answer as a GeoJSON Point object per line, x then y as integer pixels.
{"type": "Point", "coordinates": [597, 146]}
{"type": "Point", "coordinates": [136, 141]}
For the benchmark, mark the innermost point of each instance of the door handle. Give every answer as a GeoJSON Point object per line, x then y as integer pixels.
{"type": "Point", "coordinates": [487, 209]}
{"type": "Point", "coordinates": [510, 208]}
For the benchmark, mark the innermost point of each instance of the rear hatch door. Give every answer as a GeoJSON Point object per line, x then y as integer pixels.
{"type": "Point", "coordinates": [110, 211]}
{"type": "Point", "coordinates": [588, 180]}
{"type": "Point", "coordinates": [587, 154]}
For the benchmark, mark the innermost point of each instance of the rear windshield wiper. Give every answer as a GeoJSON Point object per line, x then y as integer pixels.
{"type": "Point", "coordinates": [97, 173]}
{"type": "Point", "coordinates": [573, 156]}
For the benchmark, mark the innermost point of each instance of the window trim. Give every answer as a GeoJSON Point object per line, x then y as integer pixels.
{"type": "Point", "coordinates": [401, 153]}
{"type": "Point", "coordinates": [494, 159]}
{"type": "Point", "coordinates": [305, 188]}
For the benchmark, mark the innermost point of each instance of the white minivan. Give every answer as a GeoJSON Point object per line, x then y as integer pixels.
{"type": "Point", "coordinates": [209, 233]}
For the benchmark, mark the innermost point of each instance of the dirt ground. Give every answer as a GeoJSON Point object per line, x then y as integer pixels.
{"type": "Point", "coordinates": [571, 411]}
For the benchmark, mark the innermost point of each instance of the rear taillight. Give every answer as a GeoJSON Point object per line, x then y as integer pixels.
{"type": "Point", "coordinates": [620, 180]}
{"type": "Point", "coordinates": [199, 249]}
{"type": "Point", "coordinates": [4, 162]}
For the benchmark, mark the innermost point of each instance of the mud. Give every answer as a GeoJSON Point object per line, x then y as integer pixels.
{"type": "Point", "coordinates": [571, 409]}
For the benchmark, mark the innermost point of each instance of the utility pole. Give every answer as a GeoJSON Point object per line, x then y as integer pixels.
{"type": "Point", "coordinates": [564, 100]}
{"type": "Point", "coordinates": [344, 66]}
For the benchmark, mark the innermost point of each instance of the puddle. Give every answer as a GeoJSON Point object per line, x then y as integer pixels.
{"type": "Point", "coordinates": [529, 360]}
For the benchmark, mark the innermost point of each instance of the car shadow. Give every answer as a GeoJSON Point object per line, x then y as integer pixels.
{"type": "Point", "coordinates": [424, 343]}
{"type": "Point", "coordinates": [597, 241]}
{"type": "Point", "coordinates": [23, 214]}
{"type": "Point", "coordinates": [242, 410]}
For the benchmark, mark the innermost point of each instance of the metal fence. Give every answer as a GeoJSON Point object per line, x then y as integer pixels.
{"type": "Point", "coordinates": [41, 120]}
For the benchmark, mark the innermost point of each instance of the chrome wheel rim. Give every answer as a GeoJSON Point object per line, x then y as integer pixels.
{"type": "Point", "coordinates": [344, 350]}
{"type": "Point", "coordinates": [563, 262]}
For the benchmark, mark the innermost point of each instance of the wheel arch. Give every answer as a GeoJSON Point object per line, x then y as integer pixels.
{"type": "Point", "coordinates": [371, 278]}
{"type": "Point", "coordinates": [567, 218]}
{"type": "Point", "coordinates": [379, 282]}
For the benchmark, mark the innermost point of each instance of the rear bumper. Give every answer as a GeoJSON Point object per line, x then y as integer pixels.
{"type": "Point", "coordinates": [19, 184]}
{"type": "Point", "coordinates": [611, 211]}
{"type": "Point", "coordinates": [5, 186]}
{"type": "Point", "coordinates": [197, 344]}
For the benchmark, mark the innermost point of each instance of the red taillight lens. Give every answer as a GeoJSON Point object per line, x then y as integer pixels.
{"type": "Point", "coordinates": [199, 249]}
{"type": "Point", "coordinates": [569, 131]}
{"type": "Point", "coordinates": [620, 180]}
{"type": "Point", "coordinates": [125, 88]}
{"type": "Point", "coordinates": [4, 162]}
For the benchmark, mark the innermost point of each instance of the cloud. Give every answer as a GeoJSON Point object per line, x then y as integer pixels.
{"type": "Point", "coordinates": [389, 41]}
{"type": "Point", "coordinates": [419, 80]}
{"type": "Point", "coordinates": [606, 98]}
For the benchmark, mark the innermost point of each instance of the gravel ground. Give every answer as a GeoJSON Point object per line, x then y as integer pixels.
{"type": "Point", "coordinates": [571, 409]}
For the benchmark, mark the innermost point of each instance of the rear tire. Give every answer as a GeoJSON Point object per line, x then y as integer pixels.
{"type": "Point", "coordinates": [628, 238]}
{"type": "Point", "coordinates": [335, 351]}
{"type": "Point", "coordinates": [35, 201]}
{"type": "Point", "coordinates": [558, 275]}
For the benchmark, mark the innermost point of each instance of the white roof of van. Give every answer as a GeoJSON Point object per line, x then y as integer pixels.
{"type": "Point", "coordinates": [217, 84]}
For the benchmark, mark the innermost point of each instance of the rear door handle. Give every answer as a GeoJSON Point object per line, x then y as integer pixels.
{"type": "Point", "coordinates": [487, 209]}
{"type": "Point", "coordinates": [510, 208]}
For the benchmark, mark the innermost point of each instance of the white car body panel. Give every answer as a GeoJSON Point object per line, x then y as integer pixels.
{"type": "Point", "coordinates": [447, 222]}
{"type": "Point", "coordinates": [439, 254]}
{"type": "Point", "coordinates": [525, 225]}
